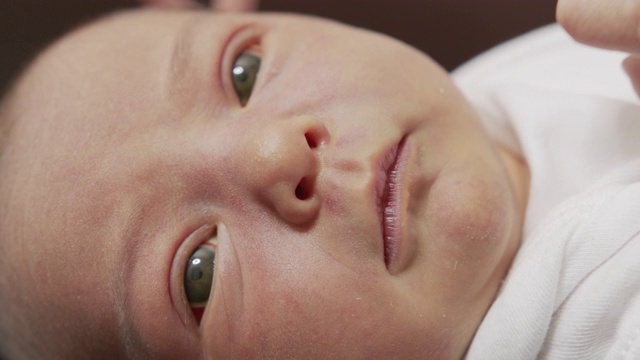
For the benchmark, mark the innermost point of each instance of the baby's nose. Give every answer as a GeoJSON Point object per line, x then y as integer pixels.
{"type": "Point", "coordinates": [285, 165]}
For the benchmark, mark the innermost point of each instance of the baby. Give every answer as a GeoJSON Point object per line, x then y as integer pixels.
{"type": "Point", "coordinates": [354, 203]}
{"type": "Point", "coordinates": [355, 206]}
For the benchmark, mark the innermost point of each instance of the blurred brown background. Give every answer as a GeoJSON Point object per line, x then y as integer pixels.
{"type": "Point", "coordinates": [451, 31]}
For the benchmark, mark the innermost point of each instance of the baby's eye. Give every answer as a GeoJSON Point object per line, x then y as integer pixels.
{"type": "Point", "coordinates": [244, 74]}
{"type": "Point", "coordinates": [198, 276]}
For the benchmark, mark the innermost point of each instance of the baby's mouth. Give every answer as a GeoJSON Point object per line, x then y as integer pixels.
{"type": "Point", "coordinates": [393, 165]}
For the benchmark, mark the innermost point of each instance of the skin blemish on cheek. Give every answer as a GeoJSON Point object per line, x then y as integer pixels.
{"type": "Point", "coordinates": [334, 205]}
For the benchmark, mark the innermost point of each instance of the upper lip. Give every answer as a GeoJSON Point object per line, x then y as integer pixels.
{"type": "Point", "coordinates": [388, 201]}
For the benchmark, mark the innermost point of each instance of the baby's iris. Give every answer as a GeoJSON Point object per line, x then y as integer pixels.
{"type": "Point", "coordinates": [244, 74]}
{"type": "Point", "coordinates": [198, 275]}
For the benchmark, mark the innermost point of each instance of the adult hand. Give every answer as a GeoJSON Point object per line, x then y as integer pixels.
{"type": "Point", "coordinates": [219, 5]}
{"type": "Point", "coordinates": [234, 5]}
{"type": "Point", "coordinates": [610, 24]}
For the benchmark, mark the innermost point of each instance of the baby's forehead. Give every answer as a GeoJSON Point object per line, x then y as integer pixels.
{"type": "Point", "coordinates": [74, 98]}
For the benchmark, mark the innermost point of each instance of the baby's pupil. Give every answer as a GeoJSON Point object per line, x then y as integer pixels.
{"type": "Point", "coordinates": [240, 74]}
{"type": "Point", "coordinates": [195, 274]}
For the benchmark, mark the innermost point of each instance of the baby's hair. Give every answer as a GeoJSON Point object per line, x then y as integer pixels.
{"type": "Point", "coordinates": [5, 127]}
{"type": "Point", "coordinates": [12, 341]}
{"type": "Point", "coordinates": [7, 123]}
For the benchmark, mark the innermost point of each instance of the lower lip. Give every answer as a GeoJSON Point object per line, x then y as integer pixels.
{"type": "Point", "coordinates": [391, 204]}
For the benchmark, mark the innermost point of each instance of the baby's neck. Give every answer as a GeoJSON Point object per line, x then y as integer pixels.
{"type": "Point", "coordinates": [519, 174]}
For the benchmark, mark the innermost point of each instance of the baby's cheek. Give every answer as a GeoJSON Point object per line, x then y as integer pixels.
{"type": "Point", "coordinates": [469, 222]}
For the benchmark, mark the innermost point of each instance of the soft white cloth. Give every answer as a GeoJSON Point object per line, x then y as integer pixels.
{"type": "Point", "coordinates": [573, 291]}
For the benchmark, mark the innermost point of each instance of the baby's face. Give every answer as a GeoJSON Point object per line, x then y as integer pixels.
{"type": "Point", "coordinates": [356, 207]}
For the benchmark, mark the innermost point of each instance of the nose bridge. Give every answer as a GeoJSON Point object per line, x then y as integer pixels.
{"type": "Point", "coordinates": [283, 166]}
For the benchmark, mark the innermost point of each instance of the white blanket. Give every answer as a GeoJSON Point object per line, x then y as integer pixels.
{"type": "Point", "coordinates": [573, 291]}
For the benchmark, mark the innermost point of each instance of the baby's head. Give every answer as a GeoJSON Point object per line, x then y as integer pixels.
{"type": "Point", "coordinates": [355, 206]}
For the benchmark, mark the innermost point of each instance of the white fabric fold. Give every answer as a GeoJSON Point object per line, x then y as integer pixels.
{"type": "Point", "coordinates": [573, 291]}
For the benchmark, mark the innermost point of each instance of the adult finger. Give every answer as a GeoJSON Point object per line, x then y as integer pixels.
{"type": "Point", "coordinates": [611, 24]}
{"type": "Point", "coordinates": [168, 2]}
{"type": "Point", "coordinates": [234, 5]}
{"type": "Point", "coordinates": [632, 67]}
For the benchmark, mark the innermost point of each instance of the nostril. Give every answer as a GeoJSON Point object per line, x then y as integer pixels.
{"type": "Point", "coordinates": [304, 190]}
{"type": "Point", "coordinates": [312, 140]}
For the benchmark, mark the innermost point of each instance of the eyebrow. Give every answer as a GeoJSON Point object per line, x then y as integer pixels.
{"type": "Point", "coordinates": [179, 73]}
{"type": "Point", "coordinates": [130, 335]}
{"type": "Point", "coordinates": [189, 66]}
{"type": "Point", "coordinates": [178, 61]}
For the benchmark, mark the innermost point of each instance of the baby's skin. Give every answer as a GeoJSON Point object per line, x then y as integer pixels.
{"type": "Point", "coordinates": [355, 206]}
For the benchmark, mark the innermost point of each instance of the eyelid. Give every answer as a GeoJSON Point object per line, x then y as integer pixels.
{"type": "Point", "coordinates": [244, 38]}
{"type": "Point", "coordinates": [228, 299]}
{"type": "Point", "coordinates": [182, 255]}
